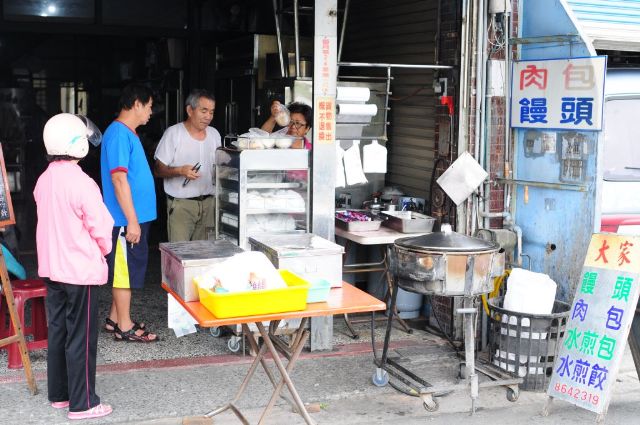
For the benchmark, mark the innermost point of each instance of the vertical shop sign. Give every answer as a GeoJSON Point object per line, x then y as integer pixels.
{"type": "Point", "coordinates": [326, 119]}
{"type": "Point", "coordinates": [599, 321]}
{"type": "Point", "coordinates": [558, 93]}
{"type": "Point", "coordinates": [324, 99]}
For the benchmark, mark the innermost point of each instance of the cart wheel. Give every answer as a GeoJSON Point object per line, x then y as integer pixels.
{"type": "Point", "coordinates": [234, 344]}
{"type": "Point", "coordinates": [512, 394]}
{"type": "Point", "coordinates": [430, 404]}
{"type": "Point", "coordinates": [463, 371]}
{"type": "Point", "coordinates": [216, 331]}
{"type": "Point", "coordinates": [380, 377]}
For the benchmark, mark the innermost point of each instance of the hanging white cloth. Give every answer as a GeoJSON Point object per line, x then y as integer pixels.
{"type": "Point", "coordinates": [340, 180]}
{"type": "Point", "coordinates": [374, 158]}
{"type": "Point", "coordinates": [353, 165]}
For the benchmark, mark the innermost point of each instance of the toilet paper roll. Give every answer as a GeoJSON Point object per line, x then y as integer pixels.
{"type": "Point", "coordinates": [357, 109]}
{"type": "Point", "coordinates": [353, 94]}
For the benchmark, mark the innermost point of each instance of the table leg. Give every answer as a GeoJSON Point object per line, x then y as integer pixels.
{"type": "Point", "coordinates": [258, 360]}
{"type": "Point", "coordinates": [285, 375]}
{"type": "Point", "coordinates": [300, 339]}
{"type": "Point", "coordinates": [347, 321]}
{"type": "Point", "coordinates": [254, 346]}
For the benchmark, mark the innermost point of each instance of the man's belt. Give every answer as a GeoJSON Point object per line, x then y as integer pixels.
{"type": "Point", "coordinates": [195, 198]}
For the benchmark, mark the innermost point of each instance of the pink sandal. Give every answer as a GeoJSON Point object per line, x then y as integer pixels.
{"type": "Point", "coordinates": [95, 412]}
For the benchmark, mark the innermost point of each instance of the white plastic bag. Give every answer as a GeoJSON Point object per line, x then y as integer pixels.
{"type": "Point", "coordinates": [236, 273]}
{"type": "Point", "coordinates": [374, 158]}
{"type": "Point", "coordinates": [353, 165]}
{"type": "Point", "coordinates": [179, 319]}
{"type": "Point", "coordinates": [340, 181]}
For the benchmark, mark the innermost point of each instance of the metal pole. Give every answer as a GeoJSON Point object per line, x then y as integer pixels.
{"type": "Point", "coordinates": [463, 117]}
{"type": "Point", "coordinates": [480, 88]}
{"type": "Point", "coordinates": [394, 65]}
{"type": "Point", "coordinates": [296, 28]}
{"type": "Point", "coordinates": [179, 108]}
{"type": "Point", "coordinates": [324, 151]}
{"type": "Point", "coordinates": [343, 30]}
{"type": "Point", "coordinates": [468, 312]}
{"type": "Point", "coordinates": [278, 36]}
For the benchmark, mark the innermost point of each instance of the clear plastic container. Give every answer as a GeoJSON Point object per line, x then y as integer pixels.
{"type": "Point", "coordinates": [283, 117]}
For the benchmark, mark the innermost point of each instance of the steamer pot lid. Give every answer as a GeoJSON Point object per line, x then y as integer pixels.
{"type": "Point", "coordinates": [446, 241]}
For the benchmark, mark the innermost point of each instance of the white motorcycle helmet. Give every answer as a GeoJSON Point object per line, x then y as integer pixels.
{"type": "Point", "coordinates": [70, 135]}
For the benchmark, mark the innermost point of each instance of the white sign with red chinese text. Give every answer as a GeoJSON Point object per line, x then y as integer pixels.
{"type": "Point", "coordinates": [326, 122]}
{"type": "Point", "coordinates": [598, 325]}
{"type": "Point", "coordinates": [324, 92]}
{"type": "Point", "coordinates": [565, 94]}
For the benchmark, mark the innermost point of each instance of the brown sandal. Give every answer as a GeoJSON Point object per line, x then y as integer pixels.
{"type": "Point", "coordinates": [130, 335]}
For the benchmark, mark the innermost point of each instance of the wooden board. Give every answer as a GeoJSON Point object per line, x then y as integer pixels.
{"type": "Point", "coordinates": [6, 207]}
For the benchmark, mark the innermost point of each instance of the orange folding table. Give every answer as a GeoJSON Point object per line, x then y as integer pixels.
{"type": "Point", "coordinates": [344, 300]}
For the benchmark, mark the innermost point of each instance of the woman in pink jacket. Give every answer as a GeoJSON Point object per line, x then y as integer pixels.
{"type": "Point", "coordinates": [73, 235]}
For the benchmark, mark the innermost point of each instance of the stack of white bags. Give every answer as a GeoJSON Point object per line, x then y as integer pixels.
{"type": "Point", "coordinates": [529, 293]}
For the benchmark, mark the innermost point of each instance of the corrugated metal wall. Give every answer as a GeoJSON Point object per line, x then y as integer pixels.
{"type": "Point", "coordinates": [610, 24]}
{"type": "Point", "coordinates": [402, 31]}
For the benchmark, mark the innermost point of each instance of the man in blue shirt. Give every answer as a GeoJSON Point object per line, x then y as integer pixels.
{"type": "Point", "coordinates": [129, 194]}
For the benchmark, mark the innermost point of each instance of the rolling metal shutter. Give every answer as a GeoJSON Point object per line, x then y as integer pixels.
{"type": "Point", "coordinates": [402, 31]}
{"type": "Point", "coordinates": [609, 24]}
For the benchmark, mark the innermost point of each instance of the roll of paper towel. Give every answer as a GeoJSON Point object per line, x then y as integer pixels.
{"type": "Point", "coordinates": [353, 94]}
{"type": "Point", "coordinates": [357, 109]}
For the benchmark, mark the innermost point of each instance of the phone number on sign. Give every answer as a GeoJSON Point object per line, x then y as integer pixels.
{"type": "Point", "coordinates": [577, 393]}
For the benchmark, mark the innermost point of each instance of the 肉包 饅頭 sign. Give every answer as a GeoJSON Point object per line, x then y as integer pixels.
{"type": "Point", "coordinates": [563, 94]}
{"type": "Point", "coordinates": [599, 321]}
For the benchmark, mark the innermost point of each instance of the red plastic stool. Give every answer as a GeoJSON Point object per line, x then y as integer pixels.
{"type": "Point", "coordinates": [24, 290]}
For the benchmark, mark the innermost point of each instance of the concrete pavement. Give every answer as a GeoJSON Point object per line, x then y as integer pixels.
{"type": "Point", "coordinates": [337, 385]}
{"type": "Point", "coordinates": [177, 379]}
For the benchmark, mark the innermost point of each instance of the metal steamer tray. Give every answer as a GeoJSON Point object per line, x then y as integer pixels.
{"type": "Point", "coordinates": [360, 226]}
{"type": "Point", "coordinates": [408, 221]}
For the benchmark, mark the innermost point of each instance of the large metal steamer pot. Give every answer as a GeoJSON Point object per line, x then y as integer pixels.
{"type": "Point", "coordinates": [446, 263]}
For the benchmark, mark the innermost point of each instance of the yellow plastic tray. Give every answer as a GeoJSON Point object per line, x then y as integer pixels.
{"type": "Point", "coordinates": [254, 303]}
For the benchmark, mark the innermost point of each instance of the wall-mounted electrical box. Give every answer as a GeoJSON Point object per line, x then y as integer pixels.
{"type": "Point", "coordinates": [576, 149]}
{"type": "Point", "coordinates": [499, 6]}
{"type": "Point", "coordinates": [496, 72]}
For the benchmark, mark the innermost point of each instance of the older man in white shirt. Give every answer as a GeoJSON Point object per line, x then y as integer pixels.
{"type": "Point", "coordinates": [185, 159]}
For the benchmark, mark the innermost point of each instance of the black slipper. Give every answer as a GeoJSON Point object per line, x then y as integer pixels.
{"type": "Point", "coordinates": [130, 335]}
{"type": "Point", "coordinates": [114, 325]}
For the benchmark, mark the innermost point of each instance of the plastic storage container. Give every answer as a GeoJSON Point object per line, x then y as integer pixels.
{"type": "Point", "coordinates": [254, 303]}
{"type": "Point", "coordinates": [318, 291]}
{"type": "Point", "coordinates": [526, 344]}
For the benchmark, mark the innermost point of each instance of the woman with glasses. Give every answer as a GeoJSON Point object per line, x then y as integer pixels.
{"type": "Point", "coordinates": [301, 120]}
